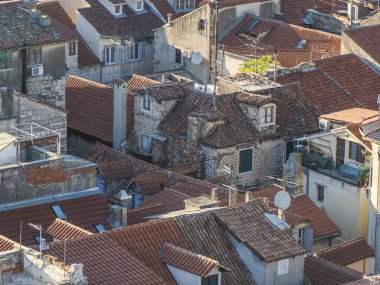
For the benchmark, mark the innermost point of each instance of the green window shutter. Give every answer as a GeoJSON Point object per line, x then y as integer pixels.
{"type": "Point", "coordinates": [245, 160]}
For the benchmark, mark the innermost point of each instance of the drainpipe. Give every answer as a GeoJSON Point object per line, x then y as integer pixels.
{"type": "Point", "coordinates": [24, 59]}
{"type": "Point", "coordinates": [307, 172]}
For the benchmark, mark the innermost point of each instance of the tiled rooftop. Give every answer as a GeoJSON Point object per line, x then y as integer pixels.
{"type": "Point", "coordinates": [347, 252]}
{"type": "Point", "coordinates": [367, 38]}
{"type": "Point", "coordinates": [6, 244]}
{"type": "Point", "coordinates": [97, 101]}
{"type": "Point", "coordinates": [24, 29]}
{"type": "Point", "coordinates": [83, 212]}
{"type": "Point", "coordinates": [187, 260]}
{"type": "Point", "coordinates": [354, 115]}
{"type": "Point", "coordinates": [302, 208]}
{"type": "Point", "coordinates": [283, 37]}
{"type": "Point", "coordinates": [338, 83]}
{"type": "Point", "coordinates": [132, 25]}
{"type": "Point", "coordinates": [248, 225]}
{"type": "Point", "coordinates": [321, 272]}
{"type": "Point", "coordinates": [62, 230]}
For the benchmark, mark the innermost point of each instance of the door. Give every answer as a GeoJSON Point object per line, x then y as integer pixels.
{"type": "Point", "coordinates": [340, 151]}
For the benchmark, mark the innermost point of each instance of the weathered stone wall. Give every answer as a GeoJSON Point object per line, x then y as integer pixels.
{"type": "Point", "coordinates": [78, 144]}
{"type": "Point", "coordinates": [46, 89]}
{"type": "Point", "coordinates": [325, 22]}
{"type": "Point", "coordinates": [43, 178]}
{"type": "Point", "coordinates": [267, 160]}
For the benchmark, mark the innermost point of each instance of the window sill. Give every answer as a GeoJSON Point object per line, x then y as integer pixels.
{"type": "Point", "coordinates": [6, 68]}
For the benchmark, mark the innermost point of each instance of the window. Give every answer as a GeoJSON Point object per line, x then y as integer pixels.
{"type": "Point", "coordinates": [145, 143]}
{"type": "Point", "coordinates": [139, 5]}
{"type": "Point", "coordinates": [356, 152]}
{"type": "Point", "coordinates": [146, 102]}
{"type": "Point", "coordinates": [178, 56]}
{"type": "Point", "coordinates": [202, 27]}
{"type": "Point", "coordinates": [58, 212]}
{"type": "Point", "coordinates": [6, 59]}
{"type": "Point", "coordinates": [35, 55]}
{"type": "Point", "coordinates": [135, 51]}
{"type": "Point", "coordinates": [320, 193]}
{"type": "Point", "coordinates": [268, 114]}
{"type": "Point", "coordinates": [100, 228]}
{"type": "Point", "coordinates": [245, 160]}
{"type": "Point", "coordinates": [117, 9]}
{"type": "Point", "coordinates": [300, 236]}
{"type": "Point", "coordinates": [72, 48]}
{"type": "Point", "coordinates": [210, 280]}
{"type": "Point", "coordinates": [183, 5]}
{"type": "Point", "coordinates": [110, 55]}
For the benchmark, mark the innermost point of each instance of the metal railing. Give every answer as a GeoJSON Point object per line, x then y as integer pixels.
{"type": "Point", "coordinates": [356, 175]}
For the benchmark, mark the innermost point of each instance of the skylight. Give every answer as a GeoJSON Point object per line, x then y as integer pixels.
{"type": "Point", "coordinates": [301, 43]}
{"type": "Point", "coordinates": [58, 212]}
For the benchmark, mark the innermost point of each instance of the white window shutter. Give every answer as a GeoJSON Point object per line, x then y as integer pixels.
{"type": "Point", "coordinates": [105, 54]}
{"type": "Point", "coordinates": [120, 54]}
{"type": "Point", "coordinates": [171, 54]}
{"type": "Point", "coordinates": [128, 53]}
{"type": "Point", "coordinates": [143, 46]}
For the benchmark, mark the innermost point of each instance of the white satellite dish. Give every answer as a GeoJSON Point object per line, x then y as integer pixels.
{"type": "Point", "coordinates": [282, 200]}
{"type": "Point", "coordinates": [196, 57]}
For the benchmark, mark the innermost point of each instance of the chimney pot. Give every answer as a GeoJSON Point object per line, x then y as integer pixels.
{"type": "Point", "coordinates": [232, 196]}
{"type": "Point", "coordinates": [214, 193]}
{"type": "Point", "coordinates": [247, 196]}
{"type": "Point", "coordinates": [170, 17]}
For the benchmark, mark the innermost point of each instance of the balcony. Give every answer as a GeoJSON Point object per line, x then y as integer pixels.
{"type": "Point", "coordinates": [350, 172]}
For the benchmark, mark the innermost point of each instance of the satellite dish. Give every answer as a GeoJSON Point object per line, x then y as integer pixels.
{"type": "Point", "coordinates": [282, 200]}
{"type": "Point", "coordinates": [196, 57]}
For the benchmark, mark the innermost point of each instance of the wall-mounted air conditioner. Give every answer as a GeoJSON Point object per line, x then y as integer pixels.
{"type": "Point", "coordinates": [324, 125]}
{"type": "Point", "coordinates": [36, 70]}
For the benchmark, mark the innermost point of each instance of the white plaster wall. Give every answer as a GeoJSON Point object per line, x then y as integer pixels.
{"type": "Point", "coordinates": [183, 277]}
{"type": "Point", "coordinates": [89, 34]}
{"type": "Point", "coordinates": [254, 8]}
{"type": "Point", "coordinates": [365, 266]}
{"type": "Point", "coordinates": [343, 203]}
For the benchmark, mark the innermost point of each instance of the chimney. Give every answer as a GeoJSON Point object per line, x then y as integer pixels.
{"type": "Point", "coordinates": [232, 196]}
{"type": "Point", "coordinates": [214, 193]}
{"type": "Point", "coordinates": [170, 17]}
{"type": "Point", "coordinates": [119, 114]}
{"type": "Point", "coordinates": [294, 174]}
{"type": "Point", "coordinates": [118, 213]}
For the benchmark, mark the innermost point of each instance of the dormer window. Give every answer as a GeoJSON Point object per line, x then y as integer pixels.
{"type": "Point", "coordinates": [146, 102]}
{"type": "Point", "coordinates": [211, 280]}
{"type": "Point", "coordinates": [184, 5]}
{"type": "Point", "coordinates": [301, 43]}
{"type": "Point", "coordinates": [139, 5]}
{"type": "Point", "coordinates": [118, 10]}
{"type": "Point", "coordinates": [268, 114]}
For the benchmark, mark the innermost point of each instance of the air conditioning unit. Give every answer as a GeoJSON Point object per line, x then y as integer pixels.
{"type": "Point", "coordinates": [36, 70]}
{"type": "Point", "coordinates": [186, 53]}
{"type": "Point", "coordinates": [199, 87]}
{"type": "Point", "coordinates": [210, 89]}
{"type": "Point", "coordinates": [324, 125]}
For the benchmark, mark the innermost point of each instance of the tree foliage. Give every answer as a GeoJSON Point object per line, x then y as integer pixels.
{"type": "Point", "coordinates": [259, 65]}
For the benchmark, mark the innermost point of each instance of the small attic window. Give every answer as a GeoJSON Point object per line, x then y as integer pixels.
{"type": "Point", "coordinates": [100, 228]}
{"type": "Point", "coordinates": [118, 9]}
{"type": "Point", "coordinates": [58, 212]}
{"type": "Point", "coordinates": [301, 43]}
{"type": "Point", "coordinates": [139, 5]}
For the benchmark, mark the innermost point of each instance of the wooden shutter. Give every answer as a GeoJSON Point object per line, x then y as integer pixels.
{"type": "Point", "coordinates": [245, 160]}
{"type": "Point", "coordinates": [360, 154]}
{"type": "Point", "coordinates": [340, 151]}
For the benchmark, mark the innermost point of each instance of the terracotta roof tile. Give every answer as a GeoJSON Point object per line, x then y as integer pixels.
{"type": "Point", "coordinates": [352, 116]}
{"type": "Point", "coordinates": [132, 25]}
{"type": "Point", "coordinates": [163, 92]}
{"type": "Point", "coordinates": [206, 237]}
{"type": "Point", "coordinates": [6, 244]}
{"type": "Point", "coordinates": [295, 10]}
{"type": "Point", "coordinates": [369, 280]}
{"type": "Point", "coordinates": [321, 272]}
{"type": "Point", "coordinates": [85, 55]}
{"type": "Point", "coordinates": [267, 241]}
{"type": "Point", "coordinates": [187, 260]}
{"type": "Point", "coordinates": [302, 208]}
{"type": "Point", "coordinates": [90, 106]}
{"type": "Point", "coordinates": [145, 240]}
{"type": "Point", "coordinates": [139, 215]}
{"type": "Point", "coordinates": [367, 38]}
{"type": "Point", "coordinates": [170, 199]}
{"type": "Point", "coordinates": [83, 212]}
{"type": "Point", "coordinates": [62, 230]}
{"type": "Point", "coordinates": [106, 262]}
{"type": "Point", "coordinates": [151, 183]}
{"type": "Point", "coordinates": [336, 85]}
{"type": "Point", "coordinates": [25, 29]}
{"type": "Point", "coordinates": [347, 252]}
{"type": "Point", "coordinates": [282, 37]}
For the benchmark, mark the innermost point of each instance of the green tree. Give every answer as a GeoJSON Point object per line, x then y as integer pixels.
{"type": "Point", "coordinates": [259, 65]}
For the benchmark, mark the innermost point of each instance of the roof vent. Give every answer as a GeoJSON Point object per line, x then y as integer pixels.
{"type": "Point", "coordinates": [45, 21]}
{"type": "Point", "coordinates": [301, 43]}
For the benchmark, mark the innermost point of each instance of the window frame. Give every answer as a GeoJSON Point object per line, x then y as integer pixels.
{"type": "Point", "coordinates": [247, 167]}
{"type": "Point", "coordinates": [149, 143]}
{"type": "Point", "coordinates": [359, 157]}
{"type": "Point", "coordinates": [35, 55]}
{"type": "Point", "coordinates": [300, 235]}
{"type": "Point", "coordinates": [131, 50]}
{"type": "Point", "coordinates": [142, 5]}
{"type": "Point", "coordinates": [269, 115]}
{"type": "Point", "coordinates": [119, 8]}
{"type": "Point", "coordinates": [108, 55]}
{"type": "Point", "coordinates": [147, 102]}
{"type": "Point", "coordinates": [184, 5]}
{"type": "Point", "coordinates": [202, 27]}
{"type": "Point", "coordinates": [319, 187]}
{"type": "Point", "coordinates": [72, 48]}
{"type": "Point", "coordinates": [210, 280]}
{"type": "Point", "coordinates": [8, 59]}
